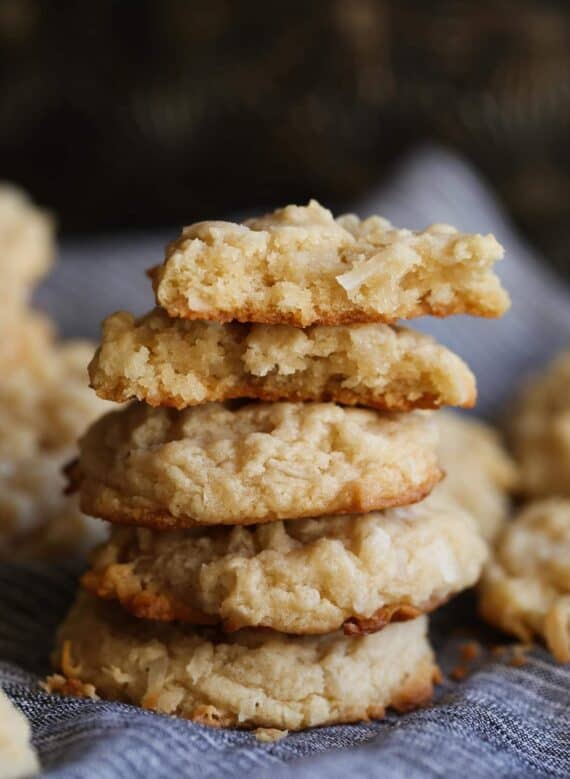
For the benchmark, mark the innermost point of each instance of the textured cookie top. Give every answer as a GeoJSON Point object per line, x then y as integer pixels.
{"type": "Point", "coordinates": [479, 473]}
{"type": "Point", "coordinates": [300, 266]}
{"type": "Point", "coordinates": [173, 362]}
{"type": "Point", "coordinates": [526, 588]}
{"type": "Point", "coordinates": [309, 576]}
{"type": "Point", "coordinates": [18, 759]}
{"type": "Point", "coordinates": [26, 242]}
{"type": "Point", "coordinates": [258, 463]}
{"type": "Point", "coordinates": [540, 431]}
{"type": "Point", "coordinates": [248, 679]}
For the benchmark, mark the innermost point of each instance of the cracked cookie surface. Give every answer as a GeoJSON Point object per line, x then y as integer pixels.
{"type": "Point", "coordinates": [306, 577]}
{"type": "Point", "coordinates": [248, 679]}
{"type": "Point", "coordinates": [179, 363]}
{"type": "Point", "coordinates": [300, 266]}
{"type": "Point", "coordinates": [210, 465]}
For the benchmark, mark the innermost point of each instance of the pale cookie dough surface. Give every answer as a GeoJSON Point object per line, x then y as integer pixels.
{"type": "Point", "coordinates": [18, 758]}
{"type": "Point", "coordinates": [479, 473]}
{"type": "Point", "coordinates": [258, 463]}
{"type": "Point", "coordinates": [248, 679]}
{"type": "Point", "coordinates": [540, 432]}
{"type": "Point", "coordinates": [174, 362]}
{"type": "Point", "coordinates": [525, 590]}
{"type": "Point", "coordinates": [300, 266]}
{"type": "Point", "coordinates": [308, 577]}
{"type": "Point", "coordinates": [27, 243]}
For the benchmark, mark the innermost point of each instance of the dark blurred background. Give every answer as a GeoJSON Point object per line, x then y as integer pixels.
{"type": "Point", "coordinates": [142, 114]}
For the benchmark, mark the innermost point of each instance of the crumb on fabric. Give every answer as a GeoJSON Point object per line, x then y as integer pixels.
{"type": "Point", "coordinates": [459, 673]}
{"type": "Point", "coordinates": [519, 657]}
{"type": "Point", "coordinates": [517, 661]}
{"type": "Point", "coordinates": [56, 684]}
{"type": "Point", "coordinates": [499, 650]}
{"type": "Point", "coordinates": [269, 735]}
{"type": "Point", "coordinates": [470, 651]}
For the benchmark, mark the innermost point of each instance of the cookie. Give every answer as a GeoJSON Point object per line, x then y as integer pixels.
{"type": "Point", "coordinates": [525, 589]}
{"type": "Point", "coordinates": [210, 465]}
{"type": "Point", "coordinates": [540, 432]}
{"type": "Point", "coordinates": [308, 577]}
{"type": "Point", "coordinates": [70, 406]}
{"type": "Point", "coordinates": [45, 404]}
{"type": "Point", "coordinates": [44, 396]}
{"type": "Point", "coordinates": [247, 679]}
{"type": "Point", "coordinates": [37, 520]}
{"type": "Point", "coordinates": [18, 759]}
{"type": "Point", "coordinates": [25, 339]}
{"type": "Point", "coordinates": [173, 362]}
{"type": "Point", "coordinates": [479, 473]}
{"type": "Point", "coordinates": [299, 266]}
{"type": "Point", "coordinates": [27, 245]}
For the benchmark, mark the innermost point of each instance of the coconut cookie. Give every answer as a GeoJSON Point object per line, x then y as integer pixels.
{"type": "Point", "coordinates": [300, 266]}
{"type": "Point", "coordinates": [18, 759]}
{"type": "Point", "coordinates": [209, 465]}
{"type": "Point", "coordinates": [45, 404]}
{"type": "Point", "coordinates": [37, 520]}
{"type": "Point", "coordinates": [45, 397]}
{"type": "Point", "coordinates": [526, 588]}
{"type": "Point", "coordinates": [246, 679]}
{"type": "Point", "coordinates": [27, 245]}
{"type": "Point", "coordinates": [479, 473]}
{"type": "Point", "coordinates": [308, 577]}
{"type": "Point", "coordinates": [540, 432]}
{"type": "Point", "coordinates": [25, 339]}
{"type": "Point", "coordinates": [173, 362]}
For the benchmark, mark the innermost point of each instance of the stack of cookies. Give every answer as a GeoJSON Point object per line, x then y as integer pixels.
{"type": "Point", "coordinates": [274, 549]}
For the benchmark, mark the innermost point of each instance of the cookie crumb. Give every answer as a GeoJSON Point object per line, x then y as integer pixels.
{"type": "Point", "coordinates": [212, 717]}
{"type": "Point", "coordinates": [470, 651]}
{"type": "Point", "coordinates": [269, 735]}
{"type": "Point", "coordinates": [519, 657]}
{"type": "Point", "coordinates": [499, 650]}
{"type": "Point", "coordinates": [57, 684]}
{"type": "Point", "coordinates": [459, 673]}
